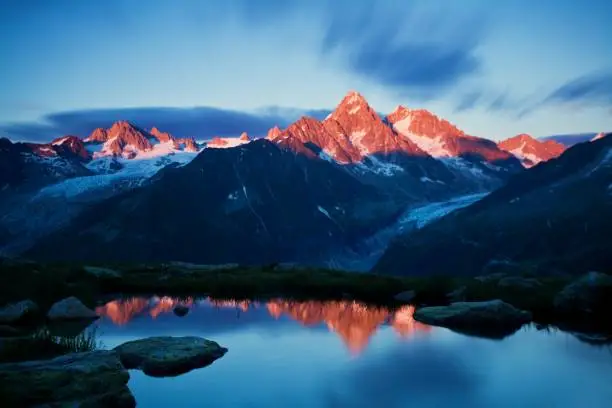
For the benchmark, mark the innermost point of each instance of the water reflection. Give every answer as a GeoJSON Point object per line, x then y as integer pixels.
{"type": "Point", "coordinates": [354, 322]}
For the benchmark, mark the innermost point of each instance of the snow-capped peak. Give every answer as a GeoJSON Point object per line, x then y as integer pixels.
{"type": "Point", "coordinates": [531, 151]}
{"type": "Point", "coordinates": [600, 135]}
{"type": "Point", "coordinates": [227, 142]}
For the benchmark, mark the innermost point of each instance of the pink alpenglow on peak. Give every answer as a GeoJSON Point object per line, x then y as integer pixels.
{"type": "Point", "coordinates": [600, 135]}
{"type": "Point", "coordinates": [123, 139]}
{"type": "Point", "coordinates": [352, 132]}
{"type": "Point", "coordinates": [531, 151]}
{"type": "Point", "coordinates": [440, 138]}
{"type": "Point", "coordinates": [228, 142]}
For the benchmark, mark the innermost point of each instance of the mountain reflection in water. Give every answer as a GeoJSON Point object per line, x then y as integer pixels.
{"type": "Point", "coordinates": [354, 322]}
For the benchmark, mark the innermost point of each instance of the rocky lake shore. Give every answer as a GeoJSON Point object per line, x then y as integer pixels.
{"type": "Point", "coordinates": [36, 362]}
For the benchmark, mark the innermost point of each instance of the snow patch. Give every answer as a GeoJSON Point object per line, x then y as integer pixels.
{"type": "Point", "coordinates": [226, 143]}
{"type": "Point", "coordinates": [61, 141]}
{"type": "Point", "coordinates": [425, 179]}
{"type": "Point", "coordinates": [463, 165]}
{"type": "Point", "coordinates": [434, 146]}
{"type": "Point", "coordinates": [327, 156]}
{"type": "Point", "coordinates": [527, 159]}
{"type": "Point", "coordinates": [133, 172]}
{"type": "Point", "coordinates": [324, 212]}
{"type": "Point", "coordinates": [356, 139]}
{"type": "Point", "coordinates": [383, 168]}
{"type": "Point", "coordinates": [47, 150]}
{"type": "Point", "coordinates": [354, 110]}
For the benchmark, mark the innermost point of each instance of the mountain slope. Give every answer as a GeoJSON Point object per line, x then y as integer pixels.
{"type": "Point", "coordinates": [256, 203]}
{"type": "Point", "coordinates": [555, 217]}
{"type": "Point", "coordinates": [531, 151]}
{"type": "Point", "coordinates": [30, 165]}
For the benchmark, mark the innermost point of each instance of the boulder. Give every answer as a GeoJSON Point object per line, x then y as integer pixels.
{"type": "Point", "coordinates": [457, 295]}
{"type": "Point", "coordinates": [17, 312]}
{"type": "Point", "coordinates": [70, 309]}
{"type": "Point", "coordinates": [99, 272]}
{"type": "Point", "coordinates": [587, 297]}
{"type": "Point", "coordinates": [91, 379]}
{"type": "Point", "coordinates": [493, 318]}
{"type": "Point", "coordinates": [406, 296]}
{"type": "Point", "coordinates": [518, 282]}
{"type": "Point", "coordinates": [181, 310]}
{"type": "Point", "coordinates": [169, 356]}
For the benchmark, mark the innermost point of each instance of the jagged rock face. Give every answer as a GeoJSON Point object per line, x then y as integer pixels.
{"type": "Point", "coordinates": [71, 145]}
{"type": "Point", "coordinates": [187, 144]}
{"type": "Point", "coordinates": [366, 131]}
{"type": "Point", "coordinates": [34, 165]}
{"type": "Point", "coordinates": [440, 138]}
{"type": "Point", "coordinates": [163, 137]}
{"type": "Point", "coordinates": [531, 151]}
{"type": "Point", "coordinates": [99, 135]}
{"type": "Point", "coordinates": [126, 140]}
{"type": "Point", "coordinates": [123, 135]}
{"type": "Point", "coordinates": [353, 132]}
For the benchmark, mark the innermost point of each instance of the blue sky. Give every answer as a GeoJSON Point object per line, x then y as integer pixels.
{"type": "Point", "coordinates": [494, 68]}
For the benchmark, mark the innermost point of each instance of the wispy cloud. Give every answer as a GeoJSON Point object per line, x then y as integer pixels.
{"type": "Point", "coordinates": [432, 55]}
{"type": "Point", "coordinates": [591, 89]}
{"type": "Point", "coordinates": [199, 122]}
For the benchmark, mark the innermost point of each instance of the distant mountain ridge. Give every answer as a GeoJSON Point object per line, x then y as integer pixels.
{"type": "Point", "coordinates": [530, 150]}
{"type": "Point", "coordinates": [126, 193]}
{"type": "Point", "coordinates": [553, 218]}
{"type": "Point", "coordinates": [572, 139]}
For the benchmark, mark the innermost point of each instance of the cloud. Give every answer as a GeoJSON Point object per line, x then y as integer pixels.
{"type": "Point", "coordinates": [590, 89]}
{"type": "Point", "coordinates": [593, 89]}
{"type": "Point", "coordinates": [404, 49]}
{"type": "Point", "coordinates": [468, 101]}
{"type": "Point", "coordinates": [199, 122]}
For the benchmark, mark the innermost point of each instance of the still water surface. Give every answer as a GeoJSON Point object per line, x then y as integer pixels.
{"type": "Point", "coordinates": [345, 354]}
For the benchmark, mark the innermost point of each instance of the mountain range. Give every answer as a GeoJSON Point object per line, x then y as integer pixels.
{"type": "Point", "coordinates": [301, 194]}
{"type": "Point", "coordinates": [554, 218]}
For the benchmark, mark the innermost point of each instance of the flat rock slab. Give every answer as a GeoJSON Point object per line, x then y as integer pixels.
{"type": "Point", "coordinates": [16, 312]}
{"type": "Point", "coordinates": [89, 379]}
{"type": "Point", "coordinates": [493, 318]}
{"type": "Point", "coordinates": [70, 308]}
{"type": "Point", "coordinates": [169, 356]}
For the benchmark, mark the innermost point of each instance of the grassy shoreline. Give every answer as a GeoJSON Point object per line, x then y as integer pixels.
{"type": "Point", "coordinates": [47, 283]}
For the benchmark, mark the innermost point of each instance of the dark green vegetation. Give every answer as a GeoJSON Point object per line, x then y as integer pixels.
{"type": "Point", "coordinates": [42, 344]}
{"type": "Point", "coordinates": [47, 283]}
{"type": "Point", "coordinates": [554, 218]}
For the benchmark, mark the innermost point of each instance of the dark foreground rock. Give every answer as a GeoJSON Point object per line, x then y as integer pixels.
{"type": "Point", "coordinates": [104, 273]}
{"type": "Point", "coordinates": [70, 309]}
{"type": "Point", "coordinates": [15, 313]}
{"type": "Point", "coordinates": [405, 296]}
{"type": "Point", "coordinates": [91, 379]}
{"type": "Point", "coordinates": [181, 310]}
{"type": "Point", "coordinates": [169, 356]}
{"type": "Point", "coordinates": [493, 318]}
{"type": "Point", "coordinates": [587, 297]}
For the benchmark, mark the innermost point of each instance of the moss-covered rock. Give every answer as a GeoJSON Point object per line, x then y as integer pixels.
{"type": "Point", "coordinates": [493, 318]}
{"type": "Point", "coordinates": [15, 313]}
{"type": "Point", "coordinates": [90, 379]}
{"type": "Point", "coordinates": [169, 356]}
